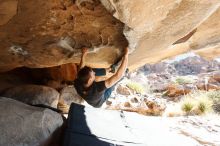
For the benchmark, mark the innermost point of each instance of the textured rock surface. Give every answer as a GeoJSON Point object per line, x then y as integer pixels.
{"type": "Point", "coordinates": [8, 10]}
{"type": "Point", "coordinates": [191, 65]}
{"type": "Point", "coordinates": [10, 80]}
{"type": "Point", "coordinates": [65, 72]}
{"type": "Point", "coordinates": [21, 124]}
{"type": "Point", "coordinates": [34, 94]}
{"type": "Point", "coordinates": [50, 33]}
{"type": "Point", "coordinates": [153, 26]}
{"type": "Point", "coordinates": [68, 95]}
{"type": "Point", "coordinates": [123, 90]}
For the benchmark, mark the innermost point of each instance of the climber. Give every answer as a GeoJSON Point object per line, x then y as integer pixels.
{"type": "Point", "coordinates": [96, 93]}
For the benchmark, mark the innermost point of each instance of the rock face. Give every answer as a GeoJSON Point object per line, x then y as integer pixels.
{"type": "Point", "coordinates": [155, 30]}
{"type": "Point", "coordinates": [192, 65]}
{"type": "Point", "coordinates": [50, 33]}
{"type": "Point", "coordinates": [68, 95]}
{"type": "Point", "coordinates": [21, 124]}
{"type": "Point", "coordinates": [8, 10]}
{"type": "Point", "coordinates": [10, 80]}
{"type": "Point", "coordinates": [160, 68]}
{"type": "Point", "coordinates": [152, 27]}
{"type": "Point", "coordinates": [195, 65]}
{"type": "Point", "coordinates": [65, 72]}
{"type": "Point", "coordinates": [34, 94]}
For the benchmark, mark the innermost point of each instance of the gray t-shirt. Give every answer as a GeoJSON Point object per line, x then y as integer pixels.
{"type": "Point", "coordinates": [94, 95]}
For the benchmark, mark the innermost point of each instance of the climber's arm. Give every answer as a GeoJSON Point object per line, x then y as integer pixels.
{"type": "Point", "coordinates": [82, 61]}
{"type": "Point", "coordinates": [120, 72]}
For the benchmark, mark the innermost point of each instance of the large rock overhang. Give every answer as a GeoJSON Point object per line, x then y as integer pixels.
{"type": "Point", "coordinates": [152, 28]}
{"type": "Point", "coordinates": [39, 34]}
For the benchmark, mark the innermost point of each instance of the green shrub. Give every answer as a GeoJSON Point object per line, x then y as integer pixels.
{"type": "Point", "coordinates": [136, 87]}
{"type": "Point", "coordinates": [204, 105]}
{"type": "Point", "coordinates": [187, 105]}
{"type": "Point", "coordinates": [197, 103]}
{"type": "Point", "coordinates": [214, 95]}
{"type": "Point", "coordinates": [183, 80]}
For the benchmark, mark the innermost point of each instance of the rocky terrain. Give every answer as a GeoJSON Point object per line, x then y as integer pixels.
{"type": "Point", "coordinates": [40, 48]}
{"type": "Point", "coordinates": [153, 90]}
{"type": "Point", "coordinates": [164, 83]}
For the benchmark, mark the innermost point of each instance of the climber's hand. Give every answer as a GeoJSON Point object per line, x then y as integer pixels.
{"type": "Point", "coordinates": [84, 51]}
{"type": "Point", "coordinates": [126, 51]}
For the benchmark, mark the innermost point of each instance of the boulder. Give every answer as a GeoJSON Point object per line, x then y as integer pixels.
{"type": "Point", "coordinates": [158, 82]}
{"type": "Point", "coordinates": [216, 77]}
{"type": "Point", "coordinates": [207, 87]}
{"type": "Point", "coordinates": [68, 95]}
{"type": "Point", "coordinates": [208, 81]}
{"type": "Point", "coordinates": [159, 86]}
{"type": "Point", "coordinates": [21, 124]}
{"type": "Point", "coordinates": [123, 90]}
{"type": "Point", "coordinates": [134, 100]}
{"type": "Point", "coordinates": [34, 94]}
{"type": "Point", "coordinates": [154, 107]}
{"type": "Point", "coordinates": [174, 90]}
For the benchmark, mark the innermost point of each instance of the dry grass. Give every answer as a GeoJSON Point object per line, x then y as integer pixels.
{"type": "Point", "coordinates": [188, 105]}
{"type": "Point", "coordinates": [197, 103]}
{"type": "Point", "coordinates": [184, 80]}
{"type": "Point", "coordinates": [214, 95]}
{"type": "Point", "coordinates": [138, 88]}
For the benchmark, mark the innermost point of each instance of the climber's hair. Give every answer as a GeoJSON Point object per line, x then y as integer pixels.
{"type": "Point", "coordinates": [84, 75]}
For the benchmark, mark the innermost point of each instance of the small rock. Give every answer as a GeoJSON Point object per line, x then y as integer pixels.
{"type": "Point", "coordinates": [127, 104]}
{"type": "Point", "coordinates": [108, 102]}
{"type": "Point", "coordinates": [134, 100]}
{"type": "Point", "coordinates": [123, 90]}
{"type": "Point", "coordinates": [217, 77]}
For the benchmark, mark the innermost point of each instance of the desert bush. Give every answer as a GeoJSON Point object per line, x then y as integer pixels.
{"type": "Point", "coordinates": [204, 105]}
{"type": "Point", "coordinates": [197, 103]}
{"type": "Point", "coordinates": [214, 95]}
{"type": "Point", "coordinates": [183, 80]}
{"type": "Point", "coordinates": [136, 87]}
{"type": "Point", "coordinates": [188, 105]}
